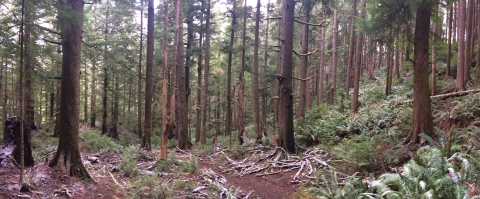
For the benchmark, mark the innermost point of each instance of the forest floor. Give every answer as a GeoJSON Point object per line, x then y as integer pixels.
{"type": "Point", "coordinates": [251, 171]}
{"type": "Point", "coordinates": [260, 172]}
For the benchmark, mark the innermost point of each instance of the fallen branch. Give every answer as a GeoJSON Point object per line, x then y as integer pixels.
{"type": "Point", "coordinates": [115, 181]}
{"type": "Point", "coordinates": [443, 96]}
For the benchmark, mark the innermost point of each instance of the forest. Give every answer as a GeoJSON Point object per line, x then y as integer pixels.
{"type": "Point", "coordinates": [240, 99]}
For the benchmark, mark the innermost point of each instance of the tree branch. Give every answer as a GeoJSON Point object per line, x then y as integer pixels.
{"type": "Point", "coordinates": [53, 42]}
{"type": "Point", "coordinates": [89, 45]}
{"type": "Point", "coordinates": [305, 23]}
{"type": "Point", "coordinates": [46, 29]}
{"type": "Point", "coordinates": [307, 54]}
{"type": "Point", "coordinates": [298, 78]}
{"type": "Point", "coordinates": [273, 18]}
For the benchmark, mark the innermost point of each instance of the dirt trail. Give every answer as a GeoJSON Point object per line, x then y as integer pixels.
{"type": "Point", "coordinates": [276, 186]}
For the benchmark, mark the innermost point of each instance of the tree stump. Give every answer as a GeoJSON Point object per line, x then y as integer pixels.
{"type": "Point", "coordinates": [11, 142]}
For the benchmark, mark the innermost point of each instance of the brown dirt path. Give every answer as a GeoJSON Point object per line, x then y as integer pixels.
{"type": "Point", "coordinates": [276, 186]}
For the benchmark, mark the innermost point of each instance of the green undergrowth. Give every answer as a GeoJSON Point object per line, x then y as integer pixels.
{"type": "Point", "coordinates": [367, 140]}
{"type": "Point", "coordinates": [43, 145]}
{"type": "Point", "coordinates": [93, 142]}
{"type": "Point", "coordinates": [429, 174]}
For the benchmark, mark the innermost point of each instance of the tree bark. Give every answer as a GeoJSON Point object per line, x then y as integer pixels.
{"type": "Point", "coordinates": [351, 52]}
{"type": "Point", "coordinates": [228, 119]}
{"type": "Point", "coordinates": [167, 120]}
{"type": "Point", "coordinates": [422, 112]}
{"type": "Point", "coordinates": [93, 101]}
{"type": "Point", "coordinates": [321, 63]}
{"type": "Point", "coordinates": [285, 92]}
{"type": "Point", "coordinates": [460, 82]}
{"type": "Point", "coordinates": [478, 36]}
{"type": "Point", "coordinates": [139, 76]}
{"type": "Point", "coordinates": [146, 143]}
{"type": "Point", "coordinates": [333, 68]}
{"type": "Point", "coordinates": [434, 59]}
{"type": "Point", "coordinates": [188, 63]}
{"type": "Point", "coordinates": [198, 123]}
{"type": "Point", "coordinates": [358, 61]}
{"type": "Point", "coordinates": [68, 143]}
{"type": "Point", "coordinates": [181, 104]}
{"type": "Point", "coordinates": [85, 94]}
{"type": "Point", "coordinates": [388, 86]}
{"type": "Point", "coordinates": [468, 40]}
{"type": "Point", "coordinates": [241, 86]}
{"type": "Point", "coordinates": [265, 66]}
{"type": "Point", "coordinates": [56, 131]}
{"type": "Point", "coordinates": [105, 76]}
{"type": "Point", "coordinates": [29, 117]}
{"type": "Point", "coordinates": [256, 105]}
{"type": "Point", "coordinates": [304, 60]}
{"type": "Point", "coordinates": [20, 153]}
{"type": "Point", "coordinates": [203, 132]}
{"type": "Point", "coordinates": [371, 67]}
{"type": "Point", "coordinates": [396, 60]}
{"type": "Point", "coordinates": [449, 42]}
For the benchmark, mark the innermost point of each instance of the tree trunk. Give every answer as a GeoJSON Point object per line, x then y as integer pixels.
{"type": "Point", "coordinates": [321, 63]}
{"type": "Point", "coordinates": [93, 101]}
{"type": "Point", "coordinates": [422, 113]}
{"type": "Point", "coordinates": [455, 18]}
{"type": "Point", "coordinates": [112, 132]}
{"type": "Point", "coordinates": [2, 62]}
{"type": "Point", "coordinates": [188, 64]}
{"type": "Point", "coordinates": [203, 132]}
{"type": "Point", "coordinates": [358, 61]}
{"type": "Point", "coordinates": [241, 86]}
{"type": "Point", "coordinates": [469, 40]}
{"type": "Point", "coordinates": [198, 123]}
{"type": "Point", "coordinates": [434, 59]}
{"type": "Point", "coordinates": [68, 143]}
{"type": "Point", "coordinates": [285, 92]}
{"type": "Point", "coordinates": [396, 60]}
{"type": "Point", "coordinates": [256, 97]}
{"type": "Point", "coordinates": [139, 76]}
{"type": "Point", "coordinates": [105, 77]}
{"type": "Point", "coordinates": [333, 68]}
{"type": "Point", "coordinates": [449, 42]}
{"type": "Point", "coordinates": [167, 120]}
{"type": "Point", "coordinates": [146, 143]}
{"type": "Point", "coordinates": [304, 60]}
{"type": "Point", "coordinates": [371, 67]}
{"type": "Point", "coordinates": [29, 117]}
{"type": "Point", "coordinates": [56, 131]}
{"type": "Point", "coordinates": [478, 36]}
{"type": "Point", "coordinates": [19, 155]}
{"type": "Point", "coordinates": [351, 52]}
{"type": "Point", "coordinates": [460, 82]}
{"type": "Point", "coordinates": [265, 66]}
{"type": "Point", "coordinates": [388, 86]}
{"type": "Point", "coordinates": [5, 96]}
{"type": "Point", "coordinates": [181, 104]}
{"type": "Point", "coordinates": [85, 105]}
{"type": "Point", "coordinates": [228, 119]}
{"type": "Point", "coordinates": [11, 145]}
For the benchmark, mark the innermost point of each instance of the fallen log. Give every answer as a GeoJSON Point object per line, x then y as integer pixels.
{"type": "Point", "coordinates": [443, 96]}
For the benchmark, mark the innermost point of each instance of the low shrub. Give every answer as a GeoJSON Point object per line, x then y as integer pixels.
{"type": "Point", "coordinates": [93, 142]}
{"type": "Point", "coordinates": [129, 166]}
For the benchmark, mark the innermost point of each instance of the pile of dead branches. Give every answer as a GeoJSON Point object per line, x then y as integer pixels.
{"type": "Point", "coordinates": [279, 161]}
